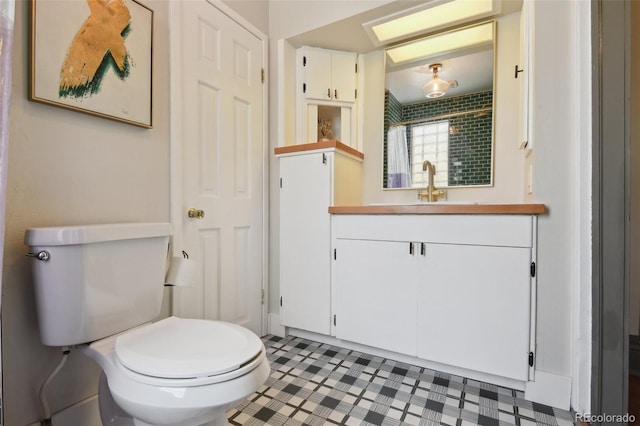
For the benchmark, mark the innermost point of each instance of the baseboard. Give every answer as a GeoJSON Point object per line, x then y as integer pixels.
{"type": "Point", "coordinates": [549, 389]}
{"type": "Point", "coordinates": [634, 355]}
{"type": "Point", "coordinates": [274, 326]}
{"type": "Point", "coordinates": [85, 413]}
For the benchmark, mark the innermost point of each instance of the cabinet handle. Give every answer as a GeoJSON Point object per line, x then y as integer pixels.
{"type": "Point", "coordinates": [517, 71]}
{"type": "Point", "coordinates": [335, 93]}
{"type": "Point", "coordinates": [411, 249]}
{"type": "Point", "coordinates": [329, 92]}
{"type": "Point", "coordinates": [422, 249]}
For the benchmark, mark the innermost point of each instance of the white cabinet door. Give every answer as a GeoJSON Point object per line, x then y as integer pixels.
{"type": "Point", "coordinates": [343, 76]}
{"type": "Point", "coordinates": [317, 73]}
{"type": "Point", "coordinates": [375, 288]}
{"type": "Point", "coordinates": [474, 308]}
{"type": "Point", "coordinates": [305, 246]}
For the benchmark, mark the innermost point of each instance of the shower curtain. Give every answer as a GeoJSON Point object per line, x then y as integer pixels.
{"type": "Point", "coordinates": [7, 9]}
{"type": "Point", "coordinates": [398, 169]}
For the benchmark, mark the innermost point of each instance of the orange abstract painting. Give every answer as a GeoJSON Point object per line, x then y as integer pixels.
{"type": "Point", "coordinates": [94, 56]}
{"type": "Point", "coordinates": [99, 41]}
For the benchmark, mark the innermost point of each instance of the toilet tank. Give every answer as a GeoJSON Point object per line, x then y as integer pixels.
{"type": "Point", "coordinates": [97, 280]}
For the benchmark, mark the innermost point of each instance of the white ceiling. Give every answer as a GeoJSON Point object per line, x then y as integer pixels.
{"type": "Point", "coordinates": [349, 34]}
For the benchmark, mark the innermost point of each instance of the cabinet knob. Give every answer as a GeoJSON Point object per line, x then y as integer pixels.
{"type": "Point", "coordinates": [195, 213]}
{"type": "Point", "coordinates": [335, 93]}
{"type": "Point", "coordinates": [329, 93]}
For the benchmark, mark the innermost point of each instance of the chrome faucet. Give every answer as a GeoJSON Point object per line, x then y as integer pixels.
{"type": "Point", "coordinates": [432, 193]}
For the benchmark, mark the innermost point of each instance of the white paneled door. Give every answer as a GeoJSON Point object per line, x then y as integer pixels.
{"type": "Point", "coordinates": [222, 132]}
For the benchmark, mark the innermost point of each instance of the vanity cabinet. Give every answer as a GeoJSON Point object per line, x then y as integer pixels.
{"type": "Point", "coordinates": [312, 178]}
{"type": "Point", "coordinates": [451, 289]}
{"type": "Point", "coordinates": [329, 74]}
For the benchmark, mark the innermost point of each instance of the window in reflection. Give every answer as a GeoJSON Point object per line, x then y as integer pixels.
{"type": "Point", "coordinates": [430, 142]}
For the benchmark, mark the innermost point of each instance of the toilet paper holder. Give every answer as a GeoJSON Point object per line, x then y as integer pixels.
{"type": "Point", "coordinates": [182, 271]}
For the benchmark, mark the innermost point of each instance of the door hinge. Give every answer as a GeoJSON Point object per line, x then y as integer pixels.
{"type": "Point", "coordinates": [356, 68]}
{"type": "Point", "coordinates": [324, 158]}
{"type": "Point", "coordinates": [334, 320]}
{"type": "Point", "coordinates": [280, 183]}
{"type": "Point", "coordinates": [530, 359]}
{"type": "Point", "coordinates": [262, 297]}
{"type": "Point", "coordinates": [262, 75]}
{"type": "Point", "coordinates": [356, 93]}
{"type": "Point", "coordinates": [533, 269]}
{"type": "Point", "coordinates": [335, 254]}
{"type": "Point", "coordinates": [280, 301]}
{"type": "Point", "coordinates": [304, 87]}
{"type": "Point", "coordinates": [304, 61]}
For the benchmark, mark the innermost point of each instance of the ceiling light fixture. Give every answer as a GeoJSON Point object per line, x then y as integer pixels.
{"type": "Point", "coordinates": [436, 87]}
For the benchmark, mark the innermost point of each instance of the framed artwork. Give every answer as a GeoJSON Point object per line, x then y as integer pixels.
{"type": "Point", "coordinates": [93, 56]}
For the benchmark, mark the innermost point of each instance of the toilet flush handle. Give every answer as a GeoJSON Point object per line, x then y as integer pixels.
{"type": "Point", "coordinates": [41, 255]}
{"type": "Point", "coordinates": [195, 213]}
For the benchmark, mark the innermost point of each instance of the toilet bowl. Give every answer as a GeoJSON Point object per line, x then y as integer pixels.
{"type": "Point", "coordinates": [181, 372]}
{"type": "Point", "coordinates": [99, 287]}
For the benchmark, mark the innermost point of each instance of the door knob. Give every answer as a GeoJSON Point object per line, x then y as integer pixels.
{"type": "Point", "coordinates": [195, 213]}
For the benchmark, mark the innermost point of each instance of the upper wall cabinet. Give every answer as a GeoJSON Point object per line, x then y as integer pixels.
{"type": "Point", "coordinates": [326, 107]}
{"type": "Point", "coordinates": [329, 75]}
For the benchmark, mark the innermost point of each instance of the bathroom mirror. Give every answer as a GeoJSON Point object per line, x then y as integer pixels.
{"type": "Point", "coordinates": [439, 108]}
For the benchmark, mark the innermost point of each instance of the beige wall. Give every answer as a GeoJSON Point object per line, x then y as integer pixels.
{"type": "Point", "coordinates": [70, 168]}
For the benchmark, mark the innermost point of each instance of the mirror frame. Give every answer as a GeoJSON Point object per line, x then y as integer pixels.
{"type": "Point", "coordinates": [435, 58]}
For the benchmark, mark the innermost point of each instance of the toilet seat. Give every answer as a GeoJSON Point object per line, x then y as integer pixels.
{"type": "Point", "coordinates": [187, 352]}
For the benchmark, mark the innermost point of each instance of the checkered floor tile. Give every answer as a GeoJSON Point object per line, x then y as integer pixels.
{"type": "Point", "coordinates": [317, 384]}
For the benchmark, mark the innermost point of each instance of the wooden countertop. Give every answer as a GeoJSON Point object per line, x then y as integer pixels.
{"type": "Point", "coordinates": [318, 145]}
{"type": "Point", "coordinates": [441, 208]}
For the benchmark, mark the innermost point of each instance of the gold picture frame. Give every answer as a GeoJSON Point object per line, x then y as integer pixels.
{"type": "Point", "coordinates": [93, 56]}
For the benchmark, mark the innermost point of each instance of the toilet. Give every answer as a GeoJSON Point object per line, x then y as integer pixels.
{"type": "Point", "coordinates": [99, 287]}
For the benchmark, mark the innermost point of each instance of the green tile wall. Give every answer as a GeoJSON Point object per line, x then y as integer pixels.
{"type": "Point", "coordinates": [469, 144]}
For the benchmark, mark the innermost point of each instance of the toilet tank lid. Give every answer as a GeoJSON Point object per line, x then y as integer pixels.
{"type": "Point", "coordinates": [84, 234]}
